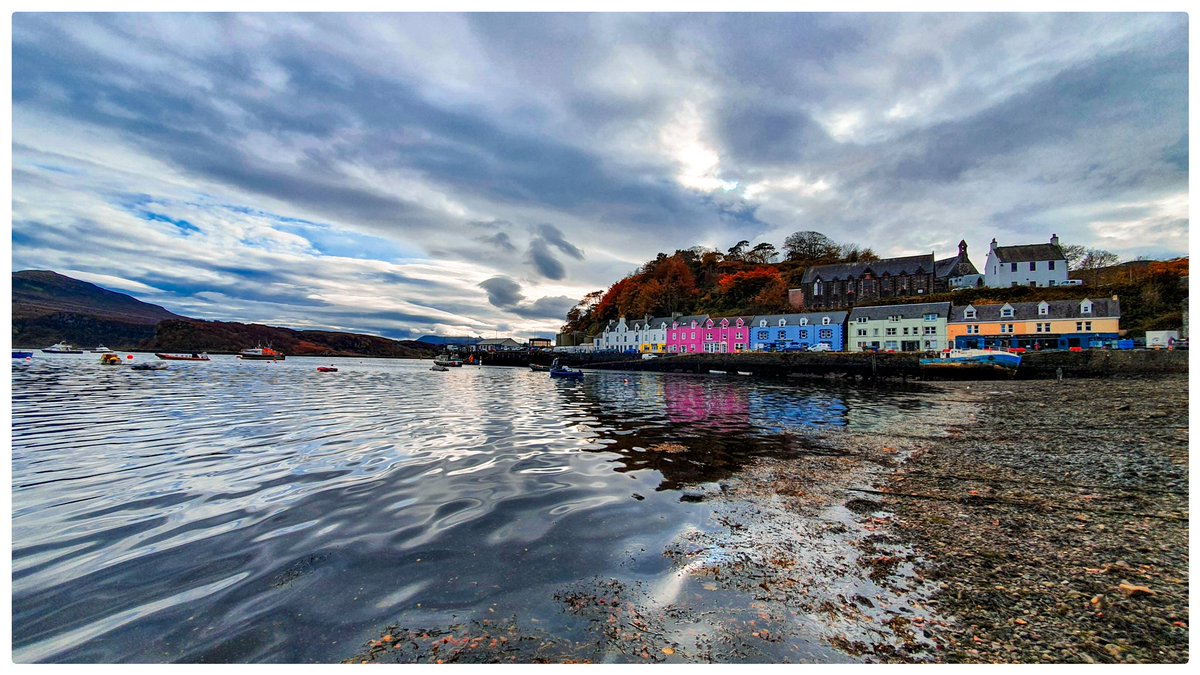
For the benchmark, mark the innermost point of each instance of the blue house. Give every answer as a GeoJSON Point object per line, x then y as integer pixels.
{"type": "Point", "coordinates": [796, 332]}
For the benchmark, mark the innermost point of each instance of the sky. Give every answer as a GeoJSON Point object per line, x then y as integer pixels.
{"type": "Point", "coordinates": [407, 174]}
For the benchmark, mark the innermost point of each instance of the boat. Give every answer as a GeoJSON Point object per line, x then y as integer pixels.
{"type": "Point", "coordinates": [564, 372]}
{"type": "Point", "coordinates": [22, 355]}
{"type": "Point", "coordinates": [62, 348]}
{"type": "Point", "coordinates": [110, 360]}
{"type": "Point", "coordinates": [261, 353]}
{"type": "Point", "coordinates": [448, 361]}
{"type": "Point", "coordinates": [326, 369]}
{"type": "Point", "coordinates": [539, 368]}
{"type": "Point", "coordinates": [440, 369]}
{"type": "Point", "coordinates": [971, 362]}
{"type": "Point", "coordinates": [151, 365]}
{"type": "Point", "coordinates": [101, 350]}
{"type": "Point", "coordinates": [717, 372]}
{"type": "Point", "coordinates": [202, 356]}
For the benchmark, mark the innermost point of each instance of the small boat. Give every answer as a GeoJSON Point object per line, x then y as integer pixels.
{"type": "Point", "coordinates": [183, 357]}
{"type": "Point", "coordinates": [326, 369]}
{"type": "Point", "coordinates": [260, 353]}
{"type": "Point", "coordinates": [101, 350]}
{"type": "Point", "coordinates": [152, 365]}
{"type": "Point", "coordinates": [539, 368]}
{"type": "Point", "coordinates": [742, 372]}
{"type": "Point", "coordinates": [972, 362]}
{"type": "Point", "coordinates": [440, 369]}
{"type": "Point", "coordinates": [717, 372]}
{"type": "Point", "coordinates": [448, 361]}
{"type": "Point", "coordinates": [564, 372]}
{"type": "Point", "coordinates": [22, 355]}
{"type": "Point", "coordinates": [62, 348]}
{"type": "Point", "coordinates": [110, 360]}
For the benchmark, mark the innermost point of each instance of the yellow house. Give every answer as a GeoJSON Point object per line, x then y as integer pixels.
{"type": "Point", "coordinates": [1048, 324]}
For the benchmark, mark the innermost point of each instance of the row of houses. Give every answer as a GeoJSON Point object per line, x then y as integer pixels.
{"type": "Point", "coordinates": [478, 344]}
{"type": "Point", "coordinates": [850, 284]}
{"type": "Point", "coordinates": [919, 327]}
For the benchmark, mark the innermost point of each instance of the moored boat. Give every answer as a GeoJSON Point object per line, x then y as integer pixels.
{"type": "Point", "coordinates": [62, 348]}
{"type": "Point", "coordinates": [151, 365]}
{"type": "Point", "coordinates": [971, 362]}
{"type": "Point", "coordinates": [110, 360]}
{"type": "Point", "coordinates": [564, 372]}
{"type": "Point", "coordinates": [101, 350]}
{"type": "Point", "coordinates": [326, 369]}
{"type": "Point", "coordinates": [202, 356]}
{"type": "Point", "coordinates": [261, 353]}
{"type": "Point", "coordinates": [448, 361]}
{"type": "Point", "coordinates": [22, 355]}
{"type": "Point", "coordinates": [440, 369]}
{"type": "Point", "coordinates": [539, 368]}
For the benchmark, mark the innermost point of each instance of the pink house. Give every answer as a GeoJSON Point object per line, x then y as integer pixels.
{"type": "Point", "coordinates": [685, 335]}
{"type": "Point", "coordinates": [705, 335]}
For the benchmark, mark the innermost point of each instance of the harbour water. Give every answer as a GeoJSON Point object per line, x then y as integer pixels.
{"type": "Point", "coordinates": [236, 511]}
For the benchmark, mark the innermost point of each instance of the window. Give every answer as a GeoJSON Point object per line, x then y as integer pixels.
{"type": "Point", "coordinates": [930, 330]}
{"type": "Point", "coordinates": [931, 316]}
{"type": "Point", "coordinates": [1032, 266]}
{"type": "Point", "coordinates": [1006, 328]}
{"type": "Point", "coordinates": [1006, 312]}
{"type": "Point", "coordinates": [894, 318]}
{"type": "Point", "coordinates": [891, 331]}
{"type": "Point", "coordinates": [1079, 326]}
{"type": "Point", "coordinates": [804, 321]}
{"type": "Point", "coordinates": [825, 321]}
{"type": "Point", "coordinates": [764, 335]}
{"type": "Point", "coordinates": [737, 335]}
{"type": "Point", "coordinates": [1050, 266]}
{"type": "Point", "coordinates": [861, 319]}
{"type": "Point", "coordinates": [1043, 309]}
{"type": "Point", "coordinates": [826, 334]}
{"type": "Point", "coordinates": [693, 335]}
{"type": "Point", "coordinates": [969, 313]}
{"type": "Point", "coordinates": [708, 336]}
{"type": "Point", "coordinates": [1087, 325]}
{"type": "Point", "coordinates": [972, 329]}
{"type": "Point", "coordinates": [1085, 308]}
{"type": "Point", "coordinates": [1014, 267]}
{"type": "Point", "coordinates": [875, 332]}
{"type": "Point", "coordinates": [1053, 282]}
{"type": "Point", "coordinates": [782, 334]}
{"type": "Point", "coordinates": [782, 322]}
{"type": "Point", "coordinates": [802, 333]}
{"type": "Point", "coordinates": [861, 332]}
{"type": "Point", "coordinates": [674, 348]}
{"type": "Point", "coordinates": [762, 324]}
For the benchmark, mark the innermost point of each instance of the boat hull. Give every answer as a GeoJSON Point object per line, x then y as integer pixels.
{"type": "Point", "coordinates": [62, 351]}
{"type": "Point", "coordinates": [259, 357]}
{"type": "Point", "coordinates": [567, 374]}
{"type": "Point", "coordinates": [177, 357]}
{"type": "Point", "coordinates": [980, 364]}
{"type": "Point", "coordinates": [22, 355]}
{"type": "Point", "coordinates": [449, 364]}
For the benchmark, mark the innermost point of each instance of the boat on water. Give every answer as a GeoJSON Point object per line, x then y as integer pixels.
{"type": "Point", "coordinates": [539, 368]}
{"type": "Point", "coordinates": [448, 361]}
{"type": "Point", "coordinates": [62, 348]}
{"type": "Point", "coordinates": [151, 365]}
{"type": "Point", "coordinates": [261, 353]}
{"type": "Point", "coordinates": [563, 372]}
{"type": "Point", "coordinates": [110, 360]}
{"type": "Point", "coordinates": [202, 356]}
{"type": "Point", "coordinates": [440, 369]}
{"type": "Point", "coordinates": [326, 369]}
{"type": "Point", "coordinates": [22, 355]}
{"type": "Point", "coordinates": [969, 362]}
{"type": "Point", "coordinates": [101, 350]}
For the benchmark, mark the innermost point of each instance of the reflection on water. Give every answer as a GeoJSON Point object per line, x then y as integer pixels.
{"type": "Point", "coordinates": [259, 511]}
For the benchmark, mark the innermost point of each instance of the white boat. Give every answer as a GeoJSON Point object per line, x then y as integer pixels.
{"type": "Point", "coordinates": [62, 348]}
{"type": "Point", "coordinates": [101, 350]}
{"type": "Point", "coordinates": [261, 353]}
{"type": "Point", "coordinates": [973, 361]}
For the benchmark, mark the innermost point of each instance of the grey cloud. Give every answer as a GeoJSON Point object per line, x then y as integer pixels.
{"type": "Point", "coordinates": [502, 291]}
{"type": "Point", "coordinates": [543, 261]}
{"type": "Point", "coordinates": [550, 307]}
{"type": "Point", "coordinates": [554, 236]}
{"type": "Point", "coordinates": [500, 240]}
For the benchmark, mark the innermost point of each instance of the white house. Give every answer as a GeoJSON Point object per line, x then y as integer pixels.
{"type": "Point", "coordinates": [1026, 265]}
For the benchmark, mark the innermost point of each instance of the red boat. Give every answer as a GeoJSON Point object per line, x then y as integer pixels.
{"type": "Point", "coordinates": [326, 369]}
{"type": "Point", "coordinates": [183, 357]}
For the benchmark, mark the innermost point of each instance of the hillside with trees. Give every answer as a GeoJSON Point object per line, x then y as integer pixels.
{"type": "Point", "coordinates": [754, 279]}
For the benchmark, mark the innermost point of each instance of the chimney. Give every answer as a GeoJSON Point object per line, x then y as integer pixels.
{"type": "Point", "coordinates": [1054, 239]}
{"type": "Point", "coordinates": [993, 243]}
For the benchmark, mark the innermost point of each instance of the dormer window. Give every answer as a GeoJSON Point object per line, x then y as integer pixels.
{"type": "Point", "coordinates": [782, 323]}
{"type": "Point", "coordinates": [825, 321]}
{"type": "Point", "coordinates": [1085, 307]}
{"type": "Point", "coordinates": [969, 312]}
{"type": "Point", "coordinates": [861, 319]}
{"type": "Point", "coordinates": [804, 321]}
{"type": "Point", "coordinates": [762, 323]}
{"type": "Point", "coordinates": [1006, 312]}
{"type": "Point", "coordinates": [1043, 309]}
{"type": "Point", "coordinates": [894, 318]}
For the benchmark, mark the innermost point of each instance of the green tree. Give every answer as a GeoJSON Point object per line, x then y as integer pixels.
{"type": "Point", "coordinates": [810, 247]}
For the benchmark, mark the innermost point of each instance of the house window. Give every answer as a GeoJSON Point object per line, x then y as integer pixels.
{"type": "Point", "coordinates": [1085, 308]}
{"type": "Point", "coordinates": [1050, 266]}
{"type": "Point", "coordinates": [930, 330]}
{"type": "Point", "coordinates": [1033, 267]}
{"type": "Point", "coordinates": [1079, 326]}
{"type": "Point", "coordinates": [762, 324]}
{"type": "Point", "coordinates": [1014, 267]}
{"type": "Point", "coordinates": [1053, 282]}
{"type": "Point", "coordinates": [894, 318]}
{"type": "Point", "coordinates": [973, 329]}
{"type": "Point", "coordinates": [826, 334]}
{"type": "Point", "coordinates": [825, 321]}
{"type": "Point", "coordinates": [931, 316]}
{"type": "Point", "coordinates": [891, 331]}
{"type": "Point", "coordinates": [763, 335]}
{"type": "Point", "coordinates": [861, 332]}
{"type": "Point", "coordinates": [1006, 312]}
{"type": "Point", "coordinates": [1087, 325]}
{"type": "Point", "coordinates": [861, 319]}
{"type": "Point", "coordinates": [782, 334]}
{"type": "Point", "coordinates": [737, 335]}
{"type": "Point", "coordinates": [693, 335]}
{"type": "Point", "coordinates": [1006, 328]}
{"type": "Point", "coordinates": [969, 314]}
{"type": "Point", "coordinates": [783, 322]}
{"type": "Point", "coordinates": [803, 322]}
{"type": "Point", "coordinates": [1043, 310]}
{"type": "Point", "coordinates": [875, 332]}
{"type": "Point", "coordinates": [708, 337]}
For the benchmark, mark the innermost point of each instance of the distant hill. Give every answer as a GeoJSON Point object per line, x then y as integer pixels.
{"type": "Point", "coordinates": [48, 307]}
{"type": "Point", "coordinates": [447, 340]}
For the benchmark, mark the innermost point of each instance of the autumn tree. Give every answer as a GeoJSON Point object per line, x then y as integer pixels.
{"type": "Point", "coordinates": [737, 251]}
{"type": "Point", "coordinates": [760, 290]}
{"type": "Point", "coordinates": [763, 253]}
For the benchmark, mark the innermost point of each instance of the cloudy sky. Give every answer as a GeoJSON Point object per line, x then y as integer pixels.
{"type": "Point", "coordinates": [406, 174]}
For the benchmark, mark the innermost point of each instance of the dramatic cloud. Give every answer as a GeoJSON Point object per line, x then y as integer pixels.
{"type": "Point", "coordinates": [467, 173]}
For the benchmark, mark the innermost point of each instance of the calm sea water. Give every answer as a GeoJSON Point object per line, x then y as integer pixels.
{"type": "Point", "coordinates": [264, 512]}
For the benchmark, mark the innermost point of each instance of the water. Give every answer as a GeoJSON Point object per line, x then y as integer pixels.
{"type": "Point", "coordinates": [263, 512]}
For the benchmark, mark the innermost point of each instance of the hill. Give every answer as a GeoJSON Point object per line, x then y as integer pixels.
{"type": "Point", "coordinates": [48, 307]}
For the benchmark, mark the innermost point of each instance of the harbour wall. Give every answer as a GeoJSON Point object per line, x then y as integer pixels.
{"type": "Point", "coordinates": [861, 365]}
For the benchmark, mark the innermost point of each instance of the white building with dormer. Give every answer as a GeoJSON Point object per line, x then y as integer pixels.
{"type": "Point", "coordinates": [1026, 265]}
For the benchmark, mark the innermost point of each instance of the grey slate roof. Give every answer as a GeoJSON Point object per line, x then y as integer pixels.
{"type": "Point", "coordinates": [687, 320]}
{"type": "Point", "coordinates": [814, 318]}
{"type": "Point", "coordinates": [1029, 253]}
{"type": "Point", "coordinates": [1106, 308]}
{"type": "Point", "coordinates": [913, 264]}
{"type": "Point", "coordinates": [953, 267]}
{"type": "Point", "coordinates": [914, 311]}
{"type": "Point", "coordinates": [497, 341]}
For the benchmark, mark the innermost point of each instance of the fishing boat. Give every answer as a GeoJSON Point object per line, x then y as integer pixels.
{"type": "Point", "coordinates": [62, 348]}
{"type": "Point", "coordinates": [326, 369]}
{"type": "Point", "coordinates": [101, 350]}
{"type": "Point", "coordinates": [539, 368]}
{"type": "Point", "coordinates": [972, 362]}
{"type": "Point", "coordinates": [564, 372]}
{"type": "Point", "coordinates": [260, 353]}
{"type": "Point", "coordinates": [448, 361]}
{"type": "Point", "coordinates": [183, 357]}
{"type": "Point", "coordinates": [22, 355]}
{"type": "Point", "coordinates": [152, 365]}
{"type": "Point", "coordinates": [440, 369]}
